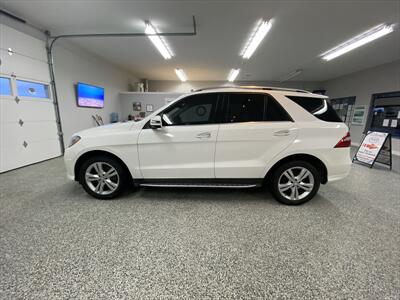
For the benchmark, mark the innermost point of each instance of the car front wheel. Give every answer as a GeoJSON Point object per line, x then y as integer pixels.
{"type": "Point", "coordinates": [295, 182]}
{"type": "Point", "coordinates": [102, 177]}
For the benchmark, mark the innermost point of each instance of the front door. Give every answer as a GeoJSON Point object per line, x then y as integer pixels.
{"type": "Point", "coordinates": [185, 146]}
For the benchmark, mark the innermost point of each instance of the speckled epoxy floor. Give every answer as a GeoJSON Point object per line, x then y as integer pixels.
{"type": "Point", "coordinates": [57, 243]}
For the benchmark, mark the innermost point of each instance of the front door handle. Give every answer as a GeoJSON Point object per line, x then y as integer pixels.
{"type": "Point", "coordinates": [284, 132]}
{"type": "Point", "coordinates": [204, 135]}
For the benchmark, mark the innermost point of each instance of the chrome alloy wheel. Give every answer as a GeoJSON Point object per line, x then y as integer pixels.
{"type": "Point", "coordinates": [296, 183]}
{"type": "Point", "coordinates": [102, 178]}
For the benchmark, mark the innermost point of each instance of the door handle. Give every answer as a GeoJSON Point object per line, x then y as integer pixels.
{"type": "Point", "coordinates": [284, 132]}
{"type": "Point", "coordinates": [204, 135]}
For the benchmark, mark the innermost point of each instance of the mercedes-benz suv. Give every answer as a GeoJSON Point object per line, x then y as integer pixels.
{"type": "Point", "coordinates": [229, 137]}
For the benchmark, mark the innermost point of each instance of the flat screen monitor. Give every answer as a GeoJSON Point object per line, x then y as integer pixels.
{"type": "Point", "coordinates": [89, 95]}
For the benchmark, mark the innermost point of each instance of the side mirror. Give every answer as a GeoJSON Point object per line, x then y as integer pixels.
{"type": "Point", "coordinates": [156, 122]}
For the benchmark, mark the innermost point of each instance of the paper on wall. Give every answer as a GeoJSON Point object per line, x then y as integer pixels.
{"type": "Point", "coordinates": [385, 123]}
{"type": "Point", "coordinates": [394, 123]}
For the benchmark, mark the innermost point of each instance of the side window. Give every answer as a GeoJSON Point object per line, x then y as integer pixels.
{"type": "Point", "coordinates": [319, 107]}
{"type": "Point", "coordinates": [5, 86]}
{"type": "Point", "coordinates": [274, 111]}
{"type": "Point", "coordinates": [245, 107]}
{"type": "Point", "coordinates": [192, 110]}
{"type": "Point", "coordinates": [32, 89]}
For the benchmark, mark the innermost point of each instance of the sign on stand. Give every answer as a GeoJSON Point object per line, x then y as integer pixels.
{"type": "Point", "coordinates": [375, 147]}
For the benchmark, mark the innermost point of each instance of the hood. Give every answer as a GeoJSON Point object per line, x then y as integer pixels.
{"type": "Point", "coordinates": [107, 129]}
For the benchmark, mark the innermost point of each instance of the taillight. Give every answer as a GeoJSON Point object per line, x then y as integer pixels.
{"type": "Point", "coordinates": [344, 142]}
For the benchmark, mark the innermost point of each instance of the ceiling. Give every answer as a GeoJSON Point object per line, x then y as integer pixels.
{"type": "Point", "coordinates": [301, 31]}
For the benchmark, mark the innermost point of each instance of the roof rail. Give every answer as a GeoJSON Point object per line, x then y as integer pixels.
{"type": "Point", "coordinates": [254, 87]}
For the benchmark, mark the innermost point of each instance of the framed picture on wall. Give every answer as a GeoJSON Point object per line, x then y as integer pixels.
{"type": "Point", "coordinates": [149, 108]}
{"type": "Point", "coordinates": [137, 106]}
{"type": "Point", "coordinates": [359, 115]}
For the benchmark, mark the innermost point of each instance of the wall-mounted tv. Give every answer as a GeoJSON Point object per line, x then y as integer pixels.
{"type": "Point", "coordinates": [89, 95]}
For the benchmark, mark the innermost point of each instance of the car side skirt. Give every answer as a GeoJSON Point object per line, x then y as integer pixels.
{"type": "Point", "coordinates": [202, 183]}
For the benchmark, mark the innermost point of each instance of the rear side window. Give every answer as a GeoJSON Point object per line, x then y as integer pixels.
{"type": "Point", "coordinates": [244, 107]}
{"type": "Point", "coordinates": [252, 107]}
{"type": "Point", "coordinates": [320, 108]}
{"type": "Point", "coordinates": [274, 111]}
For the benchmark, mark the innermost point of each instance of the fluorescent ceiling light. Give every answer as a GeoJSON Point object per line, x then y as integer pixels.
{"type": "Point", "coordinates": [359, 40]}
{"type": "Point", "coordinates": [255, 39]}
{"type": "Point", "coordinates": [291, 75]}
{"type": "Point", "coordinates": [182, 76]}
{"type": "Point", "coordinates": [233, 74]}
{"type": "Point", "coordinates": [157, 41]}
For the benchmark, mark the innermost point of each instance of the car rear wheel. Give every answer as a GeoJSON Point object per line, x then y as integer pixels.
{"type": "Point", "coordinates": [295, 182]}
{"type": "Point", "coordinates": [103, 177]}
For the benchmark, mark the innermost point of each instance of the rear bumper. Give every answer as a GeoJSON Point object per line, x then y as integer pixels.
{"type": "Point", "coordinates": [338, 163]}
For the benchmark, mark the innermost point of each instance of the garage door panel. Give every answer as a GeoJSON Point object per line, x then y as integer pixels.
{"type": "Point", "coordinates": [39, 151]}
{"type": "Point", "coordinates": [27, 110]}
{"type": "Point", "coordinates": [22, 43]}
{"type": "Point", "coordinates": [17, 64]}
{"type": "Point", "coordinates": [11, 157]}
{"type": "Point", "coordinates": [11, 134]}
{"type": "Point", "coordinates": [39, 131]}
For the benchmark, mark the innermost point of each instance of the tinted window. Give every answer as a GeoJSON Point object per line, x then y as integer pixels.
{"type": "Point", "coordinates": [5, 86]}
{"type": "Point", "coordinates": [274, 111]}
{"type": "Point", "coordinates": [320, 108]}
{"type": "Point", "coordinates": [32, 89]}
{"type": "Point", "coordinates": [244, 107]}
{"type": "Point", "coordinates": [192, 110]}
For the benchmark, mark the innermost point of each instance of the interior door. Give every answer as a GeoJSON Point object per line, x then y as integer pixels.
{"type": "Point", "coordinates": [185, 146]}
{"type": "Point", "coordinates": [256, 129]}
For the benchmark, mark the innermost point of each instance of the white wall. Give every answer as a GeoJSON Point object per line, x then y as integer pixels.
{"type": "Point", "coordinates": [186, 87]}
{"type": "Point", "coordinates": [72, 65]}
{"type": "Point", "coordinates": [154, 98]}
{"type": "Point", "coordinates": [381, 79]}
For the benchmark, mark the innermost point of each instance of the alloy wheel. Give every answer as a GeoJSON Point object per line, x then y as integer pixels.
{"type": "Point", "coordinates": [296, 183]}
{"type": "Point", "coordinates": [102, 178]}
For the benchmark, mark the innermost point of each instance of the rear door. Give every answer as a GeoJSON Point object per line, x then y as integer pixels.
{"type": "Point", "coordinates": [255, 129]}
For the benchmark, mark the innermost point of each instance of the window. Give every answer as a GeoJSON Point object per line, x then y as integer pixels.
{"type": "Point", "coordinates": [319, 107]}
{"type": "Point", "coordinates": [275, 112]}
{"type": "Point", "coordinates": [385, 113]}
{"type": "Point", "coordinates": [244, 107]}
{"type": "Point", "coordinates": [32, 89]}
{"type": "Point", "coordinates": [192, 110]}
{"type": "Point", "coordinates": [5, 86]}
{"type": "Point", "coordinates": [251, 107]}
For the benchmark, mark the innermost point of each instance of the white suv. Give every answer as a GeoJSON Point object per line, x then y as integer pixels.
{"type": "Point", "coordinates": [231, 137]}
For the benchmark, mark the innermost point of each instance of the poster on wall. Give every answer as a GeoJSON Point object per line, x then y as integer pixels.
{"type": "Point", "coordinates": [137, 106]}
{"type": "Point", "coordinates": [375, 147]}
{"type": "Point", "coordinates": [359, 115]}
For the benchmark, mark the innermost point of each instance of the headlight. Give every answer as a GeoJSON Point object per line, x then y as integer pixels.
{"type": "Point", "coordinates": [74, 140]}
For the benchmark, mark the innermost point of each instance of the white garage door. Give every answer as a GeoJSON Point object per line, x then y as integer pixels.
{"type": "Point", "coordinates": [28, 127]}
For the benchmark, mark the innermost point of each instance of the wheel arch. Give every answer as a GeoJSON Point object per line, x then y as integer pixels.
{"type": "Point", "coordinates": [315, 161]}
{"type": "Point", "coordinates": [92, 153]}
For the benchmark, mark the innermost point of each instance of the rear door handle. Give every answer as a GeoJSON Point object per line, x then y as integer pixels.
{"type": "Point", "coordinates": [204, 135]}
{"type": "Point", "coordinates": [284, 132]}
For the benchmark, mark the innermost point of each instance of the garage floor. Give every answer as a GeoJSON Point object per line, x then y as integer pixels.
{"type": "Point", "coordinates": [57, 242]}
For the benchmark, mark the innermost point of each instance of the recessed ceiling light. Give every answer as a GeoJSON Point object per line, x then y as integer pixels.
{"type": "Point", "coordinates": [158, 41]}
{"type": "Point", "coordinates": [182, 76]}
{"type": "Point", "coordinates": [357, 41]}
{"type": "Point", "coordinates": [233, 74]}
{"type": "Point", "coordinates": [255, 39]}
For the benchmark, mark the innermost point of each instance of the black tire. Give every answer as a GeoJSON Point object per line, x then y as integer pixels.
{"type": "Point", "coordinates": [294, 166]}
{"type": "Point", "coordinates": [106, 161]}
